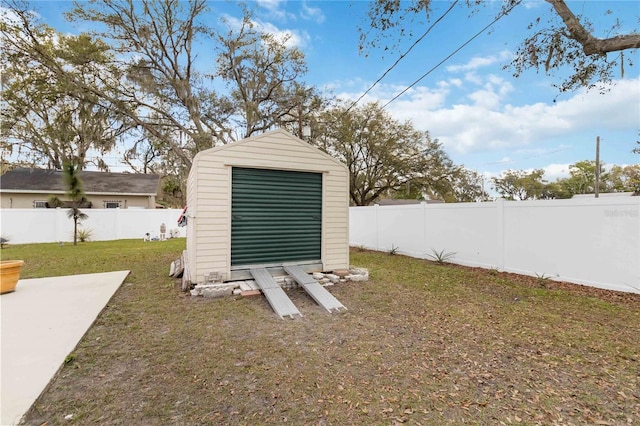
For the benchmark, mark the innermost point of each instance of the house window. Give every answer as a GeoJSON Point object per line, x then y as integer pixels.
{"type": "Point", "coordinates": [39, 204]}
{"type": "Point", "coordinates": [112, 204]}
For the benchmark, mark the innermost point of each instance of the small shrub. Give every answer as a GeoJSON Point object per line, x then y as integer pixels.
{"type": "Point", "coordinates": [542, 280]}
{"type": "Point", "coordinates": [393, 250]}
{"type": "Point", "coordinates": [441, 256]}
{"type": "Point", "coordinates": [84, 235]}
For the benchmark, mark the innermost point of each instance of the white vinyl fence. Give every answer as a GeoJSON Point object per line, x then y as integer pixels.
{"type": "Point", "coordinates": [591, 241]}
{"type": "Point", "coordinates": [22, 226]}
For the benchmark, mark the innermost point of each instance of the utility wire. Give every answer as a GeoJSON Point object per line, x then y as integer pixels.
{"type": "Point", "coordinates": [402, 56]}
{"type": "Point", "coordinates": [447, 58]}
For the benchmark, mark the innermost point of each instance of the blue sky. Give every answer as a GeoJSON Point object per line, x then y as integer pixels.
{"type": "Point", "coordinates": [486, 119]}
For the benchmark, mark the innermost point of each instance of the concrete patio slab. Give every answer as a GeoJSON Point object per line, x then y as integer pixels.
{"type": "Point", "coordinates": [41, 323]}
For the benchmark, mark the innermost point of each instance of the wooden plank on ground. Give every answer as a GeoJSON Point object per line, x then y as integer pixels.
{"type": "Point", "coordinates": [186, 276]}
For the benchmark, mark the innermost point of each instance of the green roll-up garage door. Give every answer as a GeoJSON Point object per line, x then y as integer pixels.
{"type": "Point", "coordinates": [276, 216]}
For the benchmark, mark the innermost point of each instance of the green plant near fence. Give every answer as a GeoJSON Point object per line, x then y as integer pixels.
{"type": "Point", "coordinates": [84, 234]}
{"type": "Point", "coordinates": [441, 256]}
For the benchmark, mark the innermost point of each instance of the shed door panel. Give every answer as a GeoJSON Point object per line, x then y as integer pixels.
{"type": "Point", "coordinates": [276, 216]}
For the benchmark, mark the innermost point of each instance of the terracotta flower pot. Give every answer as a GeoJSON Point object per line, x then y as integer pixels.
{"type": "Point", "coordinates": [9, 274]}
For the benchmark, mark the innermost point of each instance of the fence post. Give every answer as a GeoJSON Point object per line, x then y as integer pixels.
{"type": "Point", "coordinates": [501, 235]}
{"type": "Point", "coordinates": [424, 228]}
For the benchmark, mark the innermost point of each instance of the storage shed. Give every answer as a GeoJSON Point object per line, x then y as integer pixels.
{"type": "Point", "coordinates": [267, 201]}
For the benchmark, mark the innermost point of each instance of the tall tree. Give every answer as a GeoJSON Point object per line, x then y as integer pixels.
{"type": "Point", "coordinates": [383, 155]}
{"type": "Point", "coordinates": [468, 186]}
{"type": "Point", "coordinates": [174, 103]}
{"type": "Point", "coordinates": [567, 40]}
{"type": "Point", "coordinates": [263, 75]}
{"type": "Point", "coordinates": [162, 93]}
{"type": "Point", "coordinates": [152, 84]}
{"type": "Point", "coordinates": [631, 176]}
{"type": "Point", "coordinates": [42, 120]}
{"type": "Point", "coordinates": [520, 185]}
{"type": "Point", "coordinates": [582, 178]}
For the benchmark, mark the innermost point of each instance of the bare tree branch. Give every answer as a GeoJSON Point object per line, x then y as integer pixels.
{"type": "Point", "coordinates": [592, 45]}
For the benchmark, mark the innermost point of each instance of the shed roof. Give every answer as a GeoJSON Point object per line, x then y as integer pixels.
{"type": "Point", "coordinates": [269, 137]}
{"type": "Point", "coordinates": [42, 180]}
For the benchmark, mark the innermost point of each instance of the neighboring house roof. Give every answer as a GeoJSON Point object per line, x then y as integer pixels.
{"type": "Point", "coordinates": [26, 180]}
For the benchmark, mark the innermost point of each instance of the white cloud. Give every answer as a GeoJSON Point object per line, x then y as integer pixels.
{"type": "Point", "coordinates": [487, 123]}
{"type": "Point", "coordinates": [553, 172]}
{"type": "Point", "coordinates": [615, 109]}
{"type": "Point", "coordinates": [275, 9]}
{"type": "Point", "coordinates": [492, 93]}
{"type": "Point", "coordinates": [272, 5]}
{"type": "Point", "coordinates": [456, 82]}
{"type": "Point", "coordinates": [485, 99]}
{"type": "Point", "coordinates": [532, 4]}
{"type": "Point", "coordinates": [312, 13]}
{"type": "Point", "coordinates": [293, 38]}
{"type": "Point", "coordinates": [478, 62]}
{"type": "Point", "coordinates": [9, 16]}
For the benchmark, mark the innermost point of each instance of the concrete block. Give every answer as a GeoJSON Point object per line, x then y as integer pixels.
{"type": "Point", "coordinates": [333, 278]}
{"type": "Point", "coordinates": [217, 292]}
{"type": "Point", "coordinates": [244, 286]}
{"type": "Point", "coordinates": [318, 275]}
{"type": "Point", "coordinates": [356, 278]}
{"type": "Point", "coordinates": [358, 271]}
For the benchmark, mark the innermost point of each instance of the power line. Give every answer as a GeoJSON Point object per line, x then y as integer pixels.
{"type": "Point", "coordinates": [401, 57]}
{"type": "Point", "coordinates": [448, 57]}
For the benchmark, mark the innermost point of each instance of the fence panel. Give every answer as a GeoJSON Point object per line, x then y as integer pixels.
{"type": "Point", "coordinates": [23, 226]}
{"type": "Point", "coordinates": [585, 241]}
{"type": "Point", "coordinates": [469, 230]}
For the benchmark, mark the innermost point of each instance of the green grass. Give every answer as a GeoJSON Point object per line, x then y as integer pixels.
{"type": "Point", "coordinates": [421, 343]}
{"type": "Point", "coordinates": [48, 260]}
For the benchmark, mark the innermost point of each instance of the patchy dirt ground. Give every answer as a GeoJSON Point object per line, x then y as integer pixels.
{"type": "Point", "coordinates": [421, 343]}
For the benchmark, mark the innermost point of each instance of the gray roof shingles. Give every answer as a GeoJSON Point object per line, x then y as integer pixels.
{"type": "Point", "coordinates": [41, 180]}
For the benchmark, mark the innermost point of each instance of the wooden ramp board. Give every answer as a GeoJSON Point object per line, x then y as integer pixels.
{"type": "Point", "coordinates": [275, 295]}
{"type": "Point", "coordinates": [315, 290]}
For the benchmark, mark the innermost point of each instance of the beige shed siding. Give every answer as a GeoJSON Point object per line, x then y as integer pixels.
{"type": "Point", "coordinates": [209, 192]}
